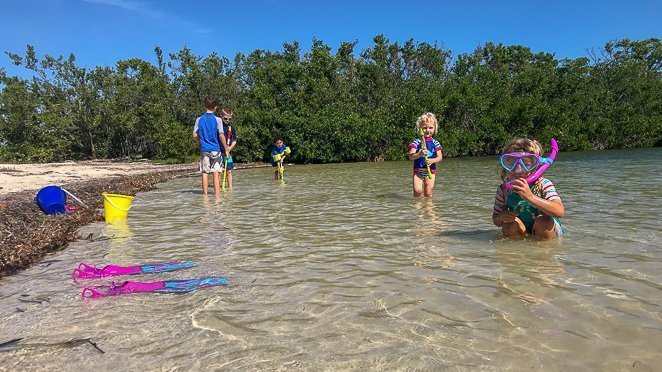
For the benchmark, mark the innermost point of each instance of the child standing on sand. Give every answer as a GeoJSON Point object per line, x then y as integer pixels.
{"type": "Point", "coordinates": [208, 132]}
{"type": "Point", "coordinates": [426, 153]}
{"type": "Point", "coordinates": [524, 208]}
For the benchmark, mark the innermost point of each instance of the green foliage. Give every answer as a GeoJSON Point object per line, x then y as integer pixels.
{"type": "Point", "coordinates": [333, 106]}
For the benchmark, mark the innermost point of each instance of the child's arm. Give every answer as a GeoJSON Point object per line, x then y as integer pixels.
{"type": "Point", "coordinates": [437, 159]}
{"type": "Point", "coordinates": [224, 142]}
{"type": "Point", "coordinates": [552, 208]}
{"type": "Point", "coordinates": [234, 143]}
{"type": "Point", "coordinates": [500, 213]}
{"type": "Point", "coordinates": [413, 154]}
{"type": "Point", "coordinates": [507, 216]}
{"type": "Point", "coordinates": [195, 133]}
{"type": "Point", "coordinates": [285, 152]}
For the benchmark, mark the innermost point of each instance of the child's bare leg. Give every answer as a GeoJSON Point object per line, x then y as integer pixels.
{"type": "Point", "coordinates": [429, 186]}
{"type": "Point", "coordinates": [544, 227]}
{"type": "Point", "coordinates": [205, 182]}
{"type": "Point", "coordinates": [514, 229]}
{"type": "Point", "coordinates": [276, 173]}
{"type": "Point", "coordinates": [418, 186]}
{"type": "Point", "coordinates": [229, 179]}
{"type": "Point", "coordinates": [217, 184]}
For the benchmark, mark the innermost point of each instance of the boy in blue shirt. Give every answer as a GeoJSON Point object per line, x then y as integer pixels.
{"type": "Point", "coordinates": [208, 132]}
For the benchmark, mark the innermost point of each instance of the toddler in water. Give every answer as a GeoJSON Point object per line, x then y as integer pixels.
{"type": "Point", "coordinates": [426, 153]}
{"type": "Point", "coordinates": [534, 208]}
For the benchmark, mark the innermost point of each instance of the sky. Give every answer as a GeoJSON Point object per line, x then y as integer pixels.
{"type": "Point", "coordinates": [101, 32]}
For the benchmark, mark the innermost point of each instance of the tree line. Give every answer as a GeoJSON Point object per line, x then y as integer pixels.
{"type": "Point", "coordinates": [333, 106]}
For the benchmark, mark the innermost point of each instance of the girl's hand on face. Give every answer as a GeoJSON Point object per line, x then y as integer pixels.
{"type": "Point", "coordinates": [522, 188]}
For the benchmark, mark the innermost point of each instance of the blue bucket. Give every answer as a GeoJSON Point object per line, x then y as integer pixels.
{"type": "Point", "coordinates": [51, 200]}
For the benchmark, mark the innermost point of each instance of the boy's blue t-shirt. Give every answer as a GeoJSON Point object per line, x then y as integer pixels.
{"type": "Point", "coordinates": [208, 127]}
{"type": "Point", "coordinates": [432, 145]}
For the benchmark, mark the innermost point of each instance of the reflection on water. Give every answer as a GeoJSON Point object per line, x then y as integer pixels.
{"type": "Point", "coordinates": [119, 233]}
{"type": "Point", "coordinates": [340, 268]}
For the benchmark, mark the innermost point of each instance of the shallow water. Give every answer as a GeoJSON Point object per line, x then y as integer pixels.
{"type": "Point", "coordinates": [340, 268]}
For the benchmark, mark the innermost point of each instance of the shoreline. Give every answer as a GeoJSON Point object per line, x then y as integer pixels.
{"type": "Point", "coordinates": [23, 177]}
{"type": "Point", "coordinates": [27, 234]}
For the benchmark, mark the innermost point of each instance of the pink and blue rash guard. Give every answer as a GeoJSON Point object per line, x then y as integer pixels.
{"type": "Point", "coordinates": [432, 146]}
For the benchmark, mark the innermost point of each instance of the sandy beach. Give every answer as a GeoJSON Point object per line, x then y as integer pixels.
{"type": "Point", "coordinates": [22, 177]}
{"type": "Point", "coordinates": [27, 234]}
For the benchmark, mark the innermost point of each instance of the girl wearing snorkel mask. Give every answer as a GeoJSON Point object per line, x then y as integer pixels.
{"type": "Point", "coordinates": [522, 207]}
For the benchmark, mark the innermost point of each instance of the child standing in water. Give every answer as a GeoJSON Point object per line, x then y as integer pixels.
{"type": "Point", "coordinates": [278, 154]}
{"type": "Point", "coordinates": [534, 208]}
{"type": "Point", "coordinates": [231, 137]}
{"type": "Point", "coordinates": [426, 153]}
{"type": "Point", "coordinates": [208, 132]}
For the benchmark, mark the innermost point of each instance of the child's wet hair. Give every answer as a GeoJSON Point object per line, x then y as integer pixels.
{"type": "Point", "coordinates": [428, 116]}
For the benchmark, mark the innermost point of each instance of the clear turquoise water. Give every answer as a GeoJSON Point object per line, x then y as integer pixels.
{"type": "Point", "coordinates": [340, 268]}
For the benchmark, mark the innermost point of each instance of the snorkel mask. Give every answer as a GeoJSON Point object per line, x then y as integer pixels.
{"type": "Point", "coordinates": [528, 163]}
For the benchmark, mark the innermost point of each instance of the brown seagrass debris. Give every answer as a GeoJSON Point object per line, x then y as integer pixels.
{"type": "Point", "coordinates": [27, 234]}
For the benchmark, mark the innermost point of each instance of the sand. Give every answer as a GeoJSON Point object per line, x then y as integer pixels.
{"type": "Point", "coordinates": [23, 177]}
{"type": "Point", "coordinates": [27, 234]}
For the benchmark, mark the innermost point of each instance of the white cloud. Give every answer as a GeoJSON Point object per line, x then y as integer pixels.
{"type": "Point", "coordinates": [146, 9]}
{"type": "Point", "coordinates": [133, 6]}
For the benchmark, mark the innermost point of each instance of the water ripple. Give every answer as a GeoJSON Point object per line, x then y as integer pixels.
{"type": "Point", "coordinates": [340, 268]}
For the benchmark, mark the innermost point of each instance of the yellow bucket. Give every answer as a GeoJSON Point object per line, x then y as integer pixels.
{"type": "Point", "coordinates": [116, 206]}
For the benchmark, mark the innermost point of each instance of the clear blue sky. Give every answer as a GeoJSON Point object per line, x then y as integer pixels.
{"type": "Point", "coordinates": [100, 32]}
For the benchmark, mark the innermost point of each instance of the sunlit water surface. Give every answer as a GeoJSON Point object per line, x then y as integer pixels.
{"type": "Point", "coordinates": [340, 268]}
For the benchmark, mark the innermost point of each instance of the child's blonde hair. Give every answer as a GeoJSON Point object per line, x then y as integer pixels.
{"type": "Point", "coordinates": [523, 144]}
{"type": "Point", "coordinates": [428, 116]}
{"type": "Point", "coordinates": [520, 144]}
